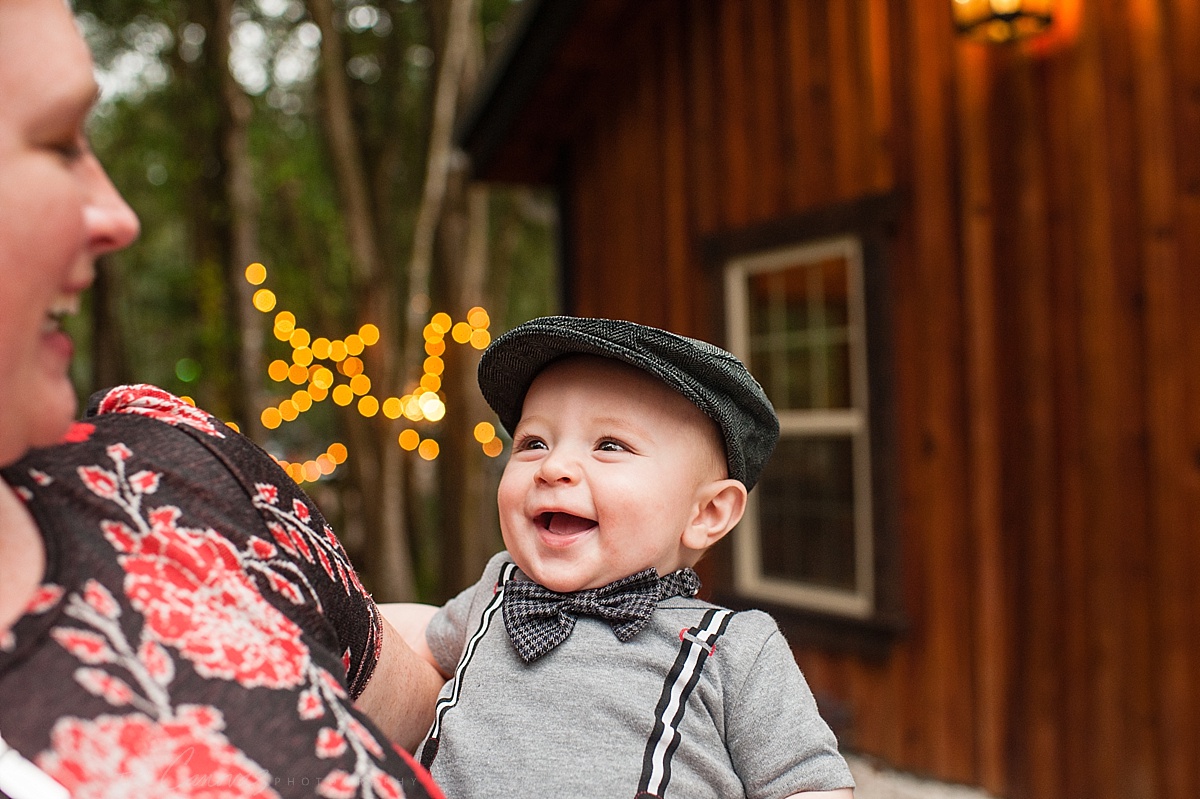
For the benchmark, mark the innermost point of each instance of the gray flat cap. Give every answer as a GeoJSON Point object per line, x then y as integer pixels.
{"type": "Point", "coordinates": [712, 379]}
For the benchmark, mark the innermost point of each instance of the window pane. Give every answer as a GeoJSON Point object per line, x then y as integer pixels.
{"type": "Point", "coordinates": [806, 512]}
{"type": "Point", "coordinates": [799, 335]}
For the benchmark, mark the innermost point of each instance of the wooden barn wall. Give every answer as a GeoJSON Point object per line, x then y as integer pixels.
{"type": "Point", "coordinates": [1045, 294]}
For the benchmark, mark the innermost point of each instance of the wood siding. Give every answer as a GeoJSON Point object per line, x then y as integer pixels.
{"type": "Point", "coordinates": [1046, 284]}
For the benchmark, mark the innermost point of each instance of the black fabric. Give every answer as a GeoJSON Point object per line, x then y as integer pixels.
{"type": "Point", "coordinates": [538, 619]}
{"type": "Point", "coordinates": [711, 378]}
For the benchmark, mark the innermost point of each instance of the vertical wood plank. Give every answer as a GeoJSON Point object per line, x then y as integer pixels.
{"type": "Point", "coordinates": [735, 141]}
{"type": "Point", "coordinates": [943, 512]}
{"type": "Point", "coordinates": [766, 161]}
{"type": "Point", "coordinates": [673, 155]}
{"type": "Point", "coordinates": [991, 624]}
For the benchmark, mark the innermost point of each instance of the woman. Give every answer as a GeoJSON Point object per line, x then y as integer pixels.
{"type": "Point", "coordinates": [175, 617]}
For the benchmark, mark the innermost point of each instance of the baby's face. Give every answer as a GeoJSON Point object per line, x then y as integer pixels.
{"type": "Point", "coordinates": [606, 471]}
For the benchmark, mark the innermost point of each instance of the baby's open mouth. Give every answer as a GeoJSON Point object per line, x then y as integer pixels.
{"type": "Point", "coordinates": [564, 523]}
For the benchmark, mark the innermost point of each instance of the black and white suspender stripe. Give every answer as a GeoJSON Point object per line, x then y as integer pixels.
{"type": "Point", "coordinates": [698, 644]}
{"type": "Point", "coordinates": [429, 751]}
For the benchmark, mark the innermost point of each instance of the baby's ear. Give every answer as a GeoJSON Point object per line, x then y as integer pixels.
{"type": "Point", "coordinates": [720, 505]}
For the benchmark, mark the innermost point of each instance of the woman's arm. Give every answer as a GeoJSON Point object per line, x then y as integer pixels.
{"type": "Point", "coordinates": [402, 691]}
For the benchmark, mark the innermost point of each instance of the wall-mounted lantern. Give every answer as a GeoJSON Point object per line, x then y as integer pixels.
{"type": "Point", "coordinates": [1001, 20]}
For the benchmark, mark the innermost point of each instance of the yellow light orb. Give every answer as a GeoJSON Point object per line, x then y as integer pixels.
{"type": "Point", "coordinates": [434, 365]}
{"type": "Point", "coordinates": [342, 395]}
{"type": "Point", "coordinates": [485, 432]}
{"type": "Point", "coordinates": [302, 356]}
{"type": "Point", "coordinates": [338, 452]}
{"type": "Point", "coordinates": [360, 384]}
{"type": "Point", "coordinates": [303, 400]}
{"type": "Point", "coordinates": [337, 350]}
{"type": "Point", "coordinates": [312, 472]}
{"type": "Point", "coordinates": [369, 334]}
{"type": "Point", "coordinates": [412, 410]}
{"type": "Point", "coordinates": [461, 333]}
{"type": "Point", "coordinates": [270, 418]}
{"type": "Point", "coordinates": [264, 300]}
{"type": "Point", "coordinates": [428, 449]}
{"type": "Point", "coordinates": [278, 370]}
{"type": "Point", "coordinates": [256, 273]}
{"type": "Point", "coordinates": [299, 338]}
{"type": "Point", "coordinates": [288, 410]}
{"type": "Point", "coordinates": [432, 406]}
{"type": "Point", "coordinates": [480, 339]}
{"type": "Point", "coordinates": [233, 426]}
{"type": "Point", "coordinates": [320, 348]}
{"type": "Point", "coordinates": [441, 322]}
{"type": "Point", "coordinates": [368, 406]}
{"type": "Point", "coordinates": [297, 374]}
{"type": "Point", "coordinates": [318, 393]}
{"type": "Point", "coordinates": [435, 347]}
{"type": "Point", "coordinates": [296, 472]}
{"type": "Point", "coordinates": [409, 439]}
{"type": "Point", "coordinates": [325, 463]}
{"type": "Point", "coordinates": [354, 344]}
{"type": "Point", "coordinates": [285, 320]}
{"type": "Point", "coordinates": [351, 366]}
{"type": "Point", "coordinates": [493, 447]}
{"type": "Point", "coordinates": [430, 382]}
{"type": "Point", "coordinates": [282, 333]}
{"type": "Point", "coordinates": [431, 333]}
{"type": "Point", "coordinates": [323, 377]}
{"type": "Point", "coordinates": [392, 408]}
{"type": "Point", "coordinates": [478, 318]}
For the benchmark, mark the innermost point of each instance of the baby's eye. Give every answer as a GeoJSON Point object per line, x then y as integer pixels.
{"type": "Point", "coordinates": [525, 443]}
{"type": "Point", "coordinates": [608, 445]}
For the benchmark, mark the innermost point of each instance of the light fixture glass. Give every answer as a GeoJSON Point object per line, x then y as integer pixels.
{"type": "Point", "coordinates": [1002, 20]}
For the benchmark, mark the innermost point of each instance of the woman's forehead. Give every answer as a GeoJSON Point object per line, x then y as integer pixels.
{"type": "Point", "coordinates": [44, 61]}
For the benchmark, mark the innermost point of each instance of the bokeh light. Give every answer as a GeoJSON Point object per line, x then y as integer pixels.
{"type": "Point", "coordinates": [264, 300]}
{"type": "Point", "coordinates": [428, 449]}
{"type": "Point", "coordinates": [256, 274]}
{"type": "Point", "coordinates": [409, 439]}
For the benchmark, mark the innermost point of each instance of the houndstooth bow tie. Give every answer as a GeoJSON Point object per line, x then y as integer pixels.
{"type": "Point", "coordinates": [538, 619]}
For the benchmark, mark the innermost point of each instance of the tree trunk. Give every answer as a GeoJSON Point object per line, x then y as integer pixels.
{"type": "Point", "coordinates": [248, 396]}
{"type": "Point", "coordinates": [378, 466]}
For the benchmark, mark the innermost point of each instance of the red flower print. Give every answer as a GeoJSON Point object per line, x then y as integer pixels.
{"type": "Point", "coordinates": [338, 785]}
{"type": "Point", "coordinates": [100, 600]}
{"type": "Point", "coordinates": [157, 661]}
{"type": "Point", "coordinates": [387, 786]}
{"type": "Point", "coordinates": [102, 684]}
{"type": "Point", "coordinates": [300, 509]}
{"type": "Point", "coordinates": [100, 482]}
{"type": "Point", "coordinates": [195, 597]}
{"type": "Point", "coordinates": [364, 735]}
{"type": "Point", "coordinates": [310, 705]}
{"type": "Point", "coordinates": [119, 452]}
{"type": "Point", "coordinates": [87, 646]}
{"type": "Point", "coordinates": [262, 548]}
{"type": "Point", "coordinates": [24, 494]}
{"type": "Point", "coordinates": [158, 404]}
{"type": "Point", "coordinates": [330, 743]}
{"type": "Point", "coordinates": [113, 757]}
{"type": "Point", "coordinates": [144, 482]}
{"type": "Point", "coordinates": [40, 477]}
{"type": "Point", "coordinates": [265, 492]}
{"type": "Point", "coordinates": [46, 597]}
{"type": "Point", "coordinates": [78, 432]}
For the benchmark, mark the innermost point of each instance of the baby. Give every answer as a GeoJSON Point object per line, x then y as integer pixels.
{"type": "Point", "coordinates": [581, 664]}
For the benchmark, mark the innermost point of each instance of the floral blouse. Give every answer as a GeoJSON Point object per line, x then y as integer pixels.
{"type": "Point", "coordinates": [199, 631]}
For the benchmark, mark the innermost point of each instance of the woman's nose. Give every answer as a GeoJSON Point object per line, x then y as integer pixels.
{"type": "Point", "coordinates": [111, 223]}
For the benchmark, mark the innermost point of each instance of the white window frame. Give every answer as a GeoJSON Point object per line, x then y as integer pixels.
{"type": "Point", "coordinates": [749, 579]}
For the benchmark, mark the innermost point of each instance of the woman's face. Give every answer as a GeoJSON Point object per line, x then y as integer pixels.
{"type": "Point", "coordinates": [58, 212]}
